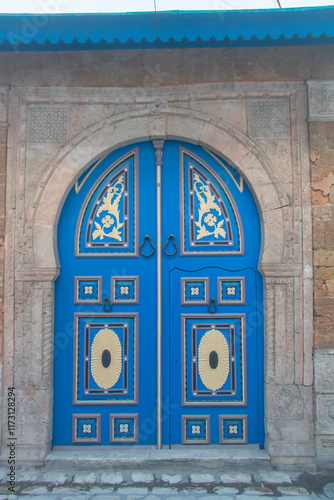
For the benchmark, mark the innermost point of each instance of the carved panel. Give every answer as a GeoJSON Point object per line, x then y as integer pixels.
{"type": "Point", "coordinates": [233, 429]}
{"type": "Point", "coordinates": [86, 428]}
{"type": "Point", "coordinates": [123, 428]}
{"type": "Point", "coordinates": [324, 370]}
{"type": "Point", "coordinates": [289, 402]}
{"type": "Point", "coordinates": [213, 360]}
{"type": "Point", "coordinates": [269, 119]}
{"type": "Point", "coordinates": [196, 429]}
{"type": "Point", "coordinates": [321, 100]}
{"type": "Point", "coordinates": [48, 125]}
{"type": "Point", "coordinates": [108, 220]}
{"type": "Point", "coordinates": [325, 414]}
{"type": "Point", "coordinates": [157, 126]}
{"type": "Point", "coordinates": [279, 330]}
{"type": "Point", "coordinates": [105, 357]}
{"type": "Point", "coordinates": [210, 220]}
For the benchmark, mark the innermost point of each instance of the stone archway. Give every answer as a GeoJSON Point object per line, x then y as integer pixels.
{"type": "Point", "coordinates": [280, 274]}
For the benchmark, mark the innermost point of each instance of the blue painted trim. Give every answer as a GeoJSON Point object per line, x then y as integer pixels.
{"type": "Point", "coordinates": [178, 29]}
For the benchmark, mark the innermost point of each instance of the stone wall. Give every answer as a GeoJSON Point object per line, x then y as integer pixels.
{"type": "Point", "coordinates": [153, 68]}
{"type": "Point", "coordinates": [321, 127]}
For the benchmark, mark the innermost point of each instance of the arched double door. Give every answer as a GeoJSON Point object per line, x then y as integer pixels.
{"type": "Point", "coordinates": [158, 312]}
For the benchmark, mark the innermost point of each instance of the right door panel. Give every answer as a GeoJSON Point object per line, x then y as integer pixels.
{"type": "Point", "coordinates": [212, 308]}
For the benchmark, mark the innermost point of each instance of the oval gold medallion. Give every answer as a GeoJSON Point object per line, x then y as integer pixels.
{"type": "Point", "coordinates": [213, 360]}
{"type": "Point", "coordinates": [106, 358]}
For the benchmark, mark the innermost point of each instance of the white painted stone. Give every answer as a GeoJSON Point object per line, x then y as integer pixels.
{"type": "Point", "coordinates": [57, 476]}
{"type": "Point", "coordinates": [101, 490]}
{"type": "Point", "coordinates": [225, 490]}
{"type": "Point", "coordinates": [35, 490]}
{"type": "Point", "coordinates": [292, 490]}
{"type": "Point", "coordinates": [84, 478]}
{"type": "Point", "coordinates": [258, 491]}
{"type": "Point", "coordinates": [236, 477]}
{"type": "Point", "coordinates": [142, 477]}
{"type": "Point", "coordinates": [171, 479]}
{"type": "Point", "coordinates": [26, 476]}
{"type": "Point", "coordinates": [219, 497]}
{"type": "Point", "coordinates": [107, 497]}
{"type": "Point", "coordinates": [112, 477]}
{"type": "Point", "coordinates": [163, 491]}
{"type": "Point", "coordinates": [152, 497]}
{"type": "Point", "coordinates": [177, 497]}
{"type": "Point", "coordinates": [273, 477]}
{"type": "Point", "coordinates": [71, 491]}
{"type": "Point", "coordinates": [329, 490]}
{"type": "Point", "coordinates": [132, 490]}
{"type": "Point", "coordinates": [201, 478]}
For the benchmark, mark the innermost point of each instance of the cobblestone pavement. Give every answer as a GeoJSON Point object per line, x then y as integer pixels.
{"type": "Point", "coordinates": [42, 483]}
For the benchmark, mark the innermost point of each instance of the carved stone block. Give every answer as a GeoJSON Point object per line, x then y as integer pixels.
{"type": "Point", "coordinates": [325, 414]}
{"type": "Point", "coordinates": [321, 100]}
{"type": "Point", "coordinates": [157, 126]}
{"type": "Point", "coordinates": [325, 447]}
{"type": "Point", "coordinates": [289, 402]}
{"type": "Point", "coordinates": [269, 118]}
{"type": "Point", "coordinates": [324, 370]}
{"type": "Point", "coordinates": [48, 125]}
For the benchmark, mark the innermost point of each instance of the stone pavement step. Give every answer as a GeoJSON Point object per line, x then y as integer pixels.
{"type": "Point", "coordinates": [146, 459]}
{"type": "Point", "coordinates": [42, 482]}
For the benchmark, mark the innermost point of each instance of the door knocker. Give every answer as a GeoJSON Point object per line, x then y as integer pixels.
{"type": "Point", "coordinates": [171, 237]}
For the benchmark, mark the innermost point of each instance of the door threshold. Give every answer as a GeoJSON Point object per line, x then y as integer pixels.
{"type": "Point", "coordinates": [245, 457]}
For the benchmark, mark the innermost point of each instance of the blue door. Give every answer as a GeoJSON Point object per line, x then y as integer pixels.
{"type": "Point", "coordinates": [158, 324]}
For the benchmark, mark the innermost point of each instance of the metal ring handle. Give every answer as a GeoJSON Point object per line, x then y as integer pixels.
{"type": "Point", "coordinates": [170, 237]}
{"type": "Point", "coordinates": [107, 305]}
{"type": "Point", "coordinates": [146, 237]}
{"type": "Point", "coordinates": [212, 302]}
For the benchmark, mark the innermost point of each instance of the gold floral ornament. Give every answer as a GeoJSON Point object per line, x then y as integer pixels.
{"type": "Point", "coordinates": [106, 358]}
{"type": "Point", "coordinates": [110, 203]}
{"type": "Point", "coordinates": [213, 360]}
{"type": "Point", "coordinates": [205, 219]}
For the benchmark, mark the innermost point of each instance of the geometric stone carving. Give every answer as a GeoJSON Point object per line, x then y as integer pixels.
{"type": "Point", "coordinates": [48, 125]}
{"type": "Point", "coordinates": [321, 100]}
{"type": "Point", "coordinates": [324, 370]}
{"type": "Point", "coordinates": [269, 118]}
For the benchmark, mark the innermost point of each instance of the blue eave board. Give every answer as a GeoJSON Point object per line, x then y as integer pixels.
{"type": "Point", "coordinates": [177, 29]}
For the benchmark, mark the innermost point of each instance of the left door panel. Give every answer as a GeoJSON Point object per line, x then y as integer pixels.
{"type": "Point", "coordinates": [105, 338]}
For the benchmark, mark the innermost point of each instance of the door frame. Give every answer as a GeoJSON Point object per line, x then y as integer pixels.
{"type": "Point", "coordinates": [281, 273]}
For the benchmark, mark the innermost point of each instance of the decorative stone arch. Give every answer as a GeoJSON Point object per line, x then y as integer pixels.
{"type": "Point", "coordinates": [195, 127]}
{"type": "Point", "coordinates": [287, 370]}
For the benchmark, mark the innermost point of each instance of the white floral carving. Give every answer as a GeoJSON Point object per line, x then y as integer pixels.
{"type": "Point", "coordinates": [195, 429]}
{"type": "Point", "coordinates": [87, 428]}
{"type": "Point", "coordinates": [233, 429]}
{"type": "Point", "coordinates": [124, 428]}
